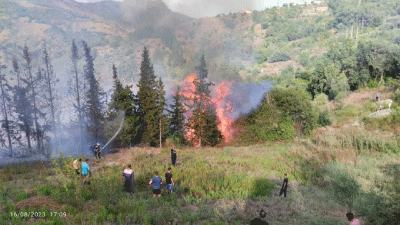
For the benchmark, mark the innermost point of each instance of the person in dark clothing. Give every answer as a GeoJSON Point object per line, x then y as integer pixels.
{"type": "Point", "coordinates": [377, 97]}
{"type": "Point", "coordinates": [129, 177]}
{"type": "Point", "coordinates": [169, 182]}
{"type": "Point", "coordinates": [259, 220]}
{"type": "Point", "coordinates": [97, 151]}
{"type": "Point", "coordinates": [284, 186]}
{"type": "Point", "coordinates": [173, 156]}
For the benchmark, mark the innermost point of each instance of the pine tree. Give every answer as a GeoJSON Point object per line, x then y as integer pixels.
{"type": "Point", "coordinates": [22, 104]}
{"type": "Point", "coordinates": [178, 116]}
{"type": "Point", "coordinates": [76, 89]}
{"type": "Point", "coordinates": [23, 108]}
{"type": "Point", "coordinates": [203, 120]}
{"type": "Point", "coordinates": [32, 83]}
{"type": "Point", "coordinates": [50, 82]}
{"type": "Point", "coordinates": [124, 99]}
{"type": "Point", "coordinates": [147, 95]}
{"type": "Point", "coordinates": [93, 104]}
{"type": "Point", "coordinates": [161, 103]}
{"type": "Point", "coordinates": [5, 89]}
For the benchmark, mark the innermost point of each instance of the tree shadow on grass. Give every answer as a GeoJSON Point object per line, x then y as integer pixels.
{"type": "Point", "coordinates": [262, 187]}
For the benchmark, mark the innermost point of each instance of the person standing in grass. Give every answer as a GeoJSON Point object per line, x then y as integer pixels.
{"type": "Point", "coordinates": [169, 182]}
{"type": "Point", "coordinates": [76, 166]}
{"type": "Point", "coordinates": [156, 181]}
{"type": "Point", "coordinates": [129, 177]}
{"type": "Point", "coordinates": [353, 221]}
{"type": "Point", "coordinates": [259, 220]}
{"type": "Point", "coordinates": [85, 171]}
{"type": "Point", "coordinates": [284, 186]}
{"type": "Point", "coordinates": [173, 156]}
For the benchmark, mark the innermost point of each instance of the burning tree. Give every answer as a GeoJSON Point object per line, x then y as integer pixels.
{"type": "Point", "coordinates": [203, 121]}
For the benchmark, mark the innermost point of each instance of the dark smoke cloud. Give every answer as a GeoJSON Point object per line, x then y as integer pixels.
{"type": "Point", "coordinates": [246, 97]}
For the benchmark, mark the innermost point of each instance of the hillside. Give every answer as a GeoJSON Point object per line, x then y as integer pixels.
{"type": "Point", "coordinates": [118, 31]}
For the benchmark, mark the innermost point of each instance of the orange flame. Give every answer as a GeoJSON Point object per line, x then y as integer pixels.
{"type": "Point", "coordinates": [222, 104]}
{"type": "Point", "coordinates": [224, 109]}
{"type": "Point", "coordinates": [187, 90]}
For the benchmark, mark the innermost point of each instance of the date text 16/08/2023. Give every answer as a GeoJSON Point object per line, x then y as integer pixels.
{"type": "Point", "coordinates": [38, 214]}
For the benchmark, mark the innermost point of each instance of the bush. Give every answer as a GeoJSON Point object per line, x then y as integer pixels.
{"type": "Point", "coordinates": [279, 57]}
{"type": "Point", "coordinates": [324, 118]}
{"type": "Point", "coordinates": [373, 83]}
{"type": "Point", "coordinates": [286, 130]}
{"type": "Point", "coordinates": [320, 101]}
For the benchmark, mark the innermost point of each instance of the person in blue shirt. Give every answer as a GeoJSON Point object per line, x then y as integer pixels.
{"type": "Point", "coordinates": [85, 171]}
{"type": "Point", "coordinates": [156, 181]}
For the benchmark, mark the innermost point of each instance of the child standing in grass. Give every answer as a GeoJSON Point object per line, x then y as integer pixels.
{"type": "Point", "coordinates": [129, 177]}
{"type": "Point", "coordinates": [284, 186]}
{"type": "Point", "coordinates": [156, 181]}
{"type": "Point", "coordinates": [169, 181]}
{"type": "Point", "coordinates": [85, 171]}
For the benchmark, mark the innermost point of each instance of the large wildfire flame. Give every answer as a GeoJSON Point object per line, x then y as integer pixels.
{"type": "Point", "coordinates": [187, 90]}
{"type": "Point", "coordinates": [223, 109]}
{"type": "Point", "coordinates": [223, 106]}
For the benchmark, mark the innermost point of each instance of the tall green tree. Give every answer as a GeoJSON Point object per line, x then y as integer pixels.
{"type": "Point", "coordinates": [161, 104]}
{"type": "Point", "coordinates": [147, 105]}
{"type": "Point", "coordinates": [123, 99]}
{"type": "Point", "coordinates": [203, 121]}
{"type": "Point", "coordinates": [178, 111]}
{"type": "Point", "coordinates": [93, 104]}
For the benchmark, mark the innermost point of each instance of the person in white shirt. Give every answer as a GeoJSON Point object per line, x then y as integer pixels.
{"type": "Point", "coordinates": [76, 166]}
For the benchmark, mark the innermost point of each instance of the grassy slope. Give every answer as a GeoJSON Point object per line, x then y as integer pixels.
{"type": "Point", "coordinates": [213, 185]}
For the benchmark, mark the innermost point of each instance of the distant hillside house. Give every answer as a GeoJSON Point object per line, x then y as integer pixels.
{"type": "Point", "coordinates": [308, 2]}
{"type": "Point", "coordinates": [245, 11]}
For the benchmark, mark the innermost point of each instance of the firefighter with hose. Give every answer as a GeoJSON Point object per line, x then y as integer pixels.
{"type": "Point", "coordinates": [97, 151]}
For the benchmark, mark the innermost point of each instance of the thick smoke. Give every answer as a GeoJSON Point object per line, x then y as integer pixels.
{"type": "Point", "coordinates": [245, 97]}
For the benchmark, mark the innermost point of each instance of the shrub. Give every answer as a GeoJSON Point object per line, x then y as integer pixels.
{"type": "Point", "coordinates": [286, 130]}
{"type": "Point", "coordinates": [320, 100]}
{"type": "Point", "coordinates": [304, 59]}
{"type": "Point", "coordinates": [373, 83]}
{"type": "Point", "coordinates": [324, 118]}
{"type": "Point", "coordinates": [279, 57]}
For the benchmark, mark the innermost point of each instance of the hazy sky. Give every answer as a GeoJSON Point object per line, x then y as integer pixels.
{"type": "Point", "coordinates": [201, 8]}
